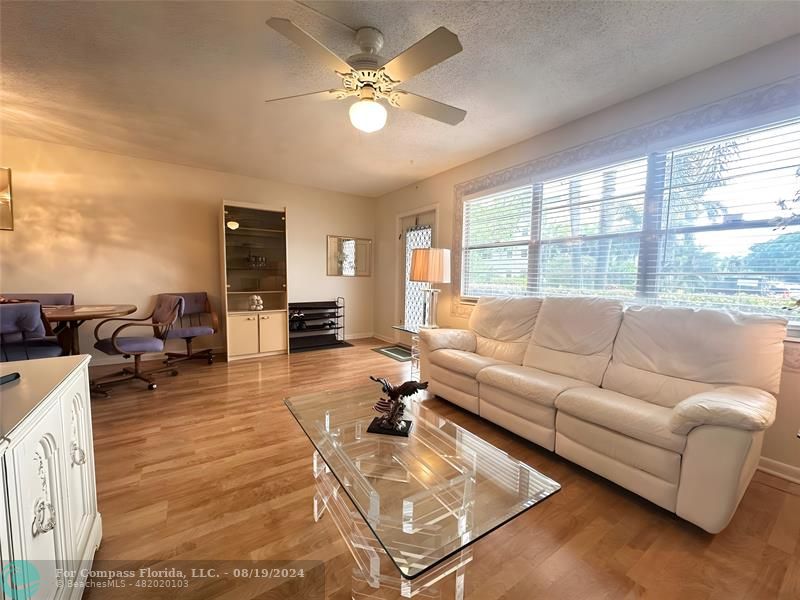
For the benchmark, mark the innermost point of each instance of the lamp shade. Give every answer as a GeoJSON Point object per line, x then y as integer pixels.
{"type": "Point", "coordinates": [431, 265]}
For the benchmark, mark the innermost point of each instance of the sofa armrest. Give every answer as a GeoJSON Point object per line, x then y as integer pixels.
{"type": "Point", "coordinates": [454, 339]}
{"type": "Point", "coordinates": [739, 407]}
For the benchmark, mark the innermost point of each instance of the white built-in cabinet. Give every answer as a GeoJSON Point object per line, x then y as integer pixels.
{"type": "Point", "coordinates": [253, 249]}
{"type": "Point", "coordinates": [48, 504]}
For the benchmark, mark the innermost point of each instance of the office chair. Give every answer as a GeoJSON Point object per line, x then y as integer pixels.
{"type": "Point", "coordinates": [198, 319]}
{"type": "Point", "coordinates": [161, 320]}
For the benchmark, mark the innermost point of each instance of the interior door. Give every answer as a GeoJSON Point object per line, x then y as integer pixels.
{"type": "Point", "coordinates": [418, 236]}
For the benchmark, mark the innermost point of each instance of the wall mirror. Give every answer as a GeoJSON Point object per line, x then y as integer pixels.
{"type": "Point", "coordinates": [349, 256]}
{"type": "Point", "coordinates": [6, 210]}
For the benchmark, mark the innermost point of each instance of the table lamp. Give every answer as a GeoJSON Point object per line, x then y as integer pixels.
{"type": "Point", "coordinates": [430, 265]}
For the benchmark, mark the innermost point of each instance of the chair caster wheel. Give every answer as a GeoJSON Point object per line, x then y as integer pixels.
{"type": "Point", "coordinates": [152, 386]}
{"type": "Point", "coordinates": [211, 361]}
{"type": "Point", "coordinates": [174, 373]}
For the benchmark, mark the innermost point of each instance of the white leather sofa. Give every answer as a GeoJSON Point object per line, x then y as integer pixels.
{"type": "Point", "coordinates": [670, 403]}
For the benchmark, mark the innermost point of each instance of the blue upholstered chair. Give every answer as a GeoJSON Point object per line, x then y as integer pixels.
{"type": "Point", "coordinates": [167, 309]}
{"type": "Point", "coordinates": [198, 319]}
{"type": "Point", "coordinates": [22, 334]}
{"type": "Point", "coordinates": [57, 299]}
{"type": "Point", "coordinates": [47, 299]}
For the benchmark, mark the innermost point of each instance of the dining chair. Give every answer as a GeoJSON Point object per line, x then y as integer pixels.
{"type": "Point", "coordinates": [198, 319]}
{"type": "Point", "coordinates": [47, 299]}
{"type": "Point", "coordinates": [167, 309]}
{"type": "Point", "coordinates": [52, 299]}
{"type": "Point", "coordinates": [22, 333]}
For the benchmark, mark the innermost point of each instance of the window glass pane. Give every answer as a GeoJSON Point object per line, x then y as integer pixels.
{"type": "Point", "coordinates": [599, 267]}
{"type": "Point", "coordinates": [496, 271]}
{"type": "Point", "coordinates": [741, 178]}
{"type": "Point", "coordinates": [723, 244]}
{"type": "Point", "coordinates": [413, 313]}
{"type": "Point", "coordinates": [501, 217]}
{"type": "Point", "coordinates": [751, 270]}
{"type": "Point", "coordinates": [604, 201]}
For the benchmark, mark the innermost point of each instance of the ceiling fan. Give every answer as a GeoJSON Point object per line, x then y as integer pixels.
{"type": "Point", "coordinates": [373, 79]}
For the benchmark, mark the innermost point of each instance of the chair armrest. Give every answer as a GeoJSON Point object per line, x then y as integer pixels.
{"type": "Point", "coordinates": [454, 339]}
{"type": "Point", "coordinates": [123, 319]}
{"type": "Point", "coordinates": [733, 406]}
{"type": "Point", "coordinates": [214, 320]}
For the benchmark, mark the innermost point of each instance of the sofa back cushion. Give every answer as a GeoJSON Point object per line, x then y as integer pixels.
{"type": "Point", "coordinates": [503, 326]}
{"type": "Point", "coordinates": [574, 337]}
{"type": "Point", "coordinates": [665, 354]}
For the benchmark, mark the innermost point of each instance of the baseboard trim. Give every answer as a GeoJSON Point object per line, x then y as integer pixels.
{"type": "Point", "coordinates": [358, 336]}
{"type": "Point", "coordinates": [384, 338]}
{"type": "Point", "coordinates": [779, 469]}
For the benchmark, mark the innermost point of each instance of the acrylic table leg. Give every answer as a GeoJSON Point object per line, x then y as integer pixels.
{"type": "Point", "coordinates": [319, 507]}
{"type": "Point", "coordinates": [460, 583]}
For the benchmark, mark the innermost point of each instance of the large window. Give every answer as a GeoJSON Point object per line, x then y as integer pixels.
{"type": "Point", "coordinates": [708, 224]}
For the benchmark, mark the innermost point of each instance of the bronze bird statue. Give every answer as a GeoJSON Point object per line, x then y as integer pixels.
{"type": "Point", "coordinates": [392, 408]}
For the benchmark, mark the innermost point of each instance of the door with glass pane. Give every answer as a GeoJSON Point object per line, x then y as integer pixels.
{"type": "Point", "coordinates": [418, 236]}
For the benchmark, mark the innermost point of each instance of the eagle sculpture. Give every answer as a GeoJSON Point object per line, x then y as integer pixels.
{"type": "Point", "coordinates": [392, 408]}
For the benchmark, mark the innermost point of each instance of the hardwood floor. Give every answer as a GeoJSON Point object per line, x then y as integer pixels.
{"type": "Point", "coordinates": [212, 466]}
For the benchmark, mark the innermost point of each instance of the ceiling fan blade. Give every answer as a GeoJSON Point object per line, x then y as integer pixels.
{"type": "Point", "coordinates": [323, 95]}
{"type": "Point", "coordinates": [429, 108]}
{"type": "Point", "coordinates": [429, 51]}
{"type": "Point", "coordinates": [308, 43]}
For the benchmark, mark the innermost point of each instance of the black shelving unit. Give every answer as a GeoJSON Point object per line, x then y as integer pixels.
{"type": "Point", "coordinates": [314, 325]}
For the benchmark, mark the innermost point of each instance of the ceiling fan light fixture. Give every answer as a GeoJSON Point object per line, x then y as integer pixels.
{"type": "Point", "coordinates": [368, 115]}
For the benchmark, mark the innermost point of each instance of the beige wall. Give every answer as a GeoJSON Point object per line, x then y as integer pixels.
{"type": "Point", "coordinates": [115, 229]}
{"type": "Point", "coordinates": [762, 67]}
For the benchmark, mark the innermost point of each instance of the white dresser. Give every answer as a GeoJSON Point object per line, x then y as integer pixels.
{"type": "Point", "coordinates": [48, 504]}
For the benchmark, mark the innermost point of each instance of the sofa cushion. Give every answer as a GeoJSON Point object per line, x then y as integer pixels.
{"type": "Point", "coordinates": [664, 354]}
{"type": "Point", "coordinates": [664, 464]}
{"type": "Point", "coordinates": [636, 418]}
{"type": "Point", "coordinates": [573, 337]}
{"type": "Point", "coordinates": [503, 326]}
{"type": "Point", "coordinates": [457, 381]}
{"type": "Point", "coordinates": [466, 363]}
{"type": "Point", "coordinates": [531, 384]}
{"type": "Point", "coordinates": [454, 339]}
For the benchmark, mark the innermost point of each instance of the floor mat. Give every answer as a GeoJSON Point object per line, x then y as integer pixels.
{"type": "Point", "coordinates": [397, 353]}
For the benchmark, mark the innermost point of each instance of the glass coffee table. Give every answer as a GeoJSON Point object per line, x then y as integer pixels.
{"type": "Point", "coordinates": [409, 508]}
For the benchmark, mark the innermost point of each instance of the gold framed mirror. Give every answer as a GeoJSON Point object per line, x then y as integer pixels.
{"type": "Point", "coordinates": [349, 256]}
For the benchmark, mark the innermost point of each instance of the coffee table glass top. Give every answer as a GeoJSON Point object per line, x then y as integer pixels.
{"type": "Point", "coordinates": [427, 496]}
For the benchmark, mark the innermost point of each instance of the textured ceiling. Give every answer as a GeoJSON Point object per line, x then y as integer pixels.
{"type": "Point", "coordinates": [184, 82]}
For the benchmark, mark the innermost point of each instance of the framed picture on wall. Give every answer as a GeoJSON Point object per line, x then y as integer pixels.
{"type": "Point", "coordinates": [6, 210]}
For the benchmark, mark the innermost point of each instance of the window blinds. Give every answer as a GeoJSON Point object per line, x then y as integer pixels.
{"type": "Point", "coordinates": [591, 231]}
{"type": "Point", "coordinates": [497, 236]}
{"type": "Point", "coordinates": [711, 224]}
{"type": "Point", "coordinates": [726, 239]}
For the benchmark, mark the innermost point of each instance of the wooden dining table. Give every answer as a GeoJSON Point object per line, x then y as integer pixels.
{"type": "Point", "coordinates": [72, 316]}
